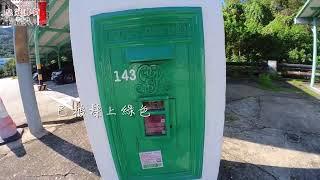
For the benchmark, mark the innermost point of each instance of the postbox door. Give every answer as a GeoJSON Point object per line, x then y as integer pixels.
{"type": "Point", "coordinates": [150, 72]}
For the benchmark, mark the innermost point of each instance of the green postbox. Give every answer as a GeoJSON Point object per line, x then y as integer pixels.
{"type": "Point", "coordinates": [151, 80]}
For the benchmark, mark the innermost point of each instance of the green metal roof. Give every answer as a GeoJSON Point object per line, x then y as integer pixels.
{"type": "Point", "coordinates": [56, 34]}
{"type": "Point", "coordinates": [310, 10]}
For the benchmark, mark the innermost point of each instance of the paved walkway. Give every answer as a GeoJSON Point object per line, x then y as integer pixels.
{"type": "Point", "coordinates": [63, 154]}
{"type": "Point", "coordinates": [270, 135]}
{"type": "Point", "coordinates": [49, 101]}
{"type": "Point", "coordinates": [62, 94]}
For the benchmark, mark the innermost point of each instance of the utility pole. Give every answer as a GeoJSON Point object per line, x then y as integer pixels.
{"type": "Point", "coordinates": [59, 60]}
{"type": "Point", "coordinates": [25, 82]}
{"type": "Point", "coordinates": [315, 51]}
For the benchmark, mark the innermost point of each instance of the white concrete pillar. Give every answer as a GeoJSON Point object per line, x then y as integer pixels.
{"type": "Point", "coordinates": [26, 83]}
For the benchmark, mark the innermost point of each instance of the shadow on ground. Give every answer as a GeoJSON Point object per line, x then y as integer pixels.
{"type": "Point", "coordinates": [77, 155]}
{"type": "Point", "coordinates": [16, 148]}
{"type": "Point", "coordinates": [258, 115]}
{"type": "Point", "coordinates": [245, 171]}
{"type": "Point", "coordinates": [278, 128]}
{"type": "Point", "coordinates": [63, 154]}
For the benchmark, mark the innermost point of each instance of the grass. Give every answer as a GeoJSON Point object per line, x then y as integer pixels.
{"type": "Point", "coordinates": [265, 82]}
{"type": "Point", "coordinates": [231, 117]}
{"type": "Point", "coordinates": [277, 84]}
{"type": "Point", "coordinates": [299, 84]}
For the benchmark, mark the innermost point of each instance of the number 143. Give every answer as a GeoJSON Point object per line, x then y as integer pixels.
{"type": "Point", "coordinates": [126, 75]}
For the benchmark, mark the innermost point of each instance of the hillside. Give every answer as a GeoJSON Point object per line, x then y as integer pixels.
{"type": "Point", "coordinates": [6, 43]}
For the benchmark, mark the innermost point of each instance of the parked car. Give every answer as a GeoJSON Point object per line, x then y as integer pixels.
{"type": "Point", "coordinates": [64, 75]}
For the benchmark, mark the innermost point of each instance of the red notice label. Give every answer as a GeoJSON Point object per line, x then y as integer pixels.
{"type": "Point", "coordinates": [155, 125]}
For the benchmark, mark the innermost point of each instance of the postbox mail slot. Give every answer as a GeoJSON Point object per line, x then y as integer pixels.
{"type": "Point", "coordinates": [153, 53]}
{"type": "Point", "coordinates": [154, 105]}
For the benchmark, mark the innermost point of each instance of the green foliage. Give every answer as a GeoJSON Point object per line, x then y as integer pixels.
{"type": "Point", "coordinates": [257, 16]}
{"type": "Point", "coordinates": [10, 68]}
{"type": "Point", "coordinates": [1, 72]}
{"type": "Point", "coordinates": [285, 7]}
{"type": "Point", "coordinates": [235, 23]}
{"type": "Point", "coordinates": [298, 56]}
{"type": "Point", "coordinates": [266, 82]}
{"type": "Point", "coordinates": [263, 29]}
{"type": "Point", "coordinates": [6, 43]}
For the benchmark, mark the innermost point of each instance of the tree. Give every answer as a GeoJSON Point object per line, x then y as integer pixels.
{"type": "Point", "coordinates": [235, 25]}
{"type": "Point", "coordinates": [289, 39]}
{"type": "Point", "coordinates": [257, 15]}
{"type": "Point", "coordinates": [6, 43]}
{"type": "Point", "coordinates": [263, 29]}
{"type": "Point", "coordinates": [10, 67]}
{"type": "Point", "coordinates": [284, 7]}
{"type": "Point", "coordinates": [1, 72]}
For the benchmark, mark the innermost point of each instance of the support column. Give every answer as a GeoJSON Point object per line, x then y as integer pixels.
{"type": "Point", "coordinates": [59, 60]}
{"type": "Point", "coordinates": [41, 86]}
{"type": "Point", "coordinates": [47, 59]}
{"type": "Point", "coordinates": [315, 51]}
{"type": "Point", "coordinates": [26, 83]}
{"type": "Point", "coordinates": [36, 49]}
{"type": "Point", "coordinates": [3, 7]}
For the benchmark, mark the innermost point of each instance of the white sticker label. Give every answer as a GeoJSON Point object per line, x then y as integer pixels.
{"type": "Point", "coordinates": [151, 159]}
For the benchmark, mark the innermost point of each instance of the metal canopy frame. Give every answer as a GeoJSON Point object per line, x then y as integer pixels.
{"type": "Point", "coordinates": [45, 40]}
{"type": "Point", "coordinates": [309, 14]}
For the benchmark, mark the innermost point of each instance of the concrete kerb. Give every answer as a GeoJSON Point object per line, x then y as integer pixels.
{"type": "Point", "coordinates": [315, 89]}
